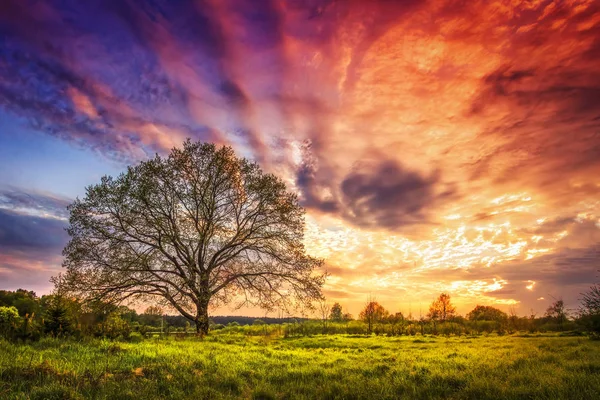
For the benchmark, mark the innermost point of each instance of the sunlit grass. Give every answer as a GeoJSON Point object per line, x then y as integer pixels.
{"type": "Point", "coordinates": [345, 367]}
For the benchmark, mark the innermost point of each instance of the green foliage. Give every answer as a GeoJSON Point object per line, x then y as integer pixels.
{"type": "Point", "coordinates": [57, 321]}
{"type": "Point", "coordinates": [9, 317]}
{"type": "Point", "coordinates": [116, 327]}
{"type": "Point", "coordinates": [26, 302]}
{"type": "Point", "coordinates": [135, 337]}
{"type": "Point", "coordinates": [336, 314]}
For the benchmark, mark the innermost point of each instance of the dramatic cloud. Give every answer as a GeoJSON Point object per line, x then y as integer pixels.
{"type": "Point", "coordinates": [32, 236]}
{"type": "Point", "coordinates": [46, 204]}
{"type": "Point", "coordinates": [388, 196]}
{"type": "Point", "coordinates": [436, 145]}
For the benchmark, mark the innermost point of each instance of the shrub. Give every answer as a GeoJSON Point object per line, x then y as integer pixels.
{"type": "Point", "coordinates": [116, 327]}
{"type": "Point", "coordinates": [9, 319]}
{"type": "Point", "coordinates": [135, 337]}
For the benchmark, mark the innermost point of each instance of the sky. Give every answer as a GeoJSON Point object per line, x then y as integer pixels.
{"type": "Point", "coordinates": [437, 146]}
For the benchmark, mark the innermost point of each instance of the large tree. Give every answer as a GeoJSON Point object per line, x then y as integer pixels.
{"type": "Point", "coordinates": [198, 228]}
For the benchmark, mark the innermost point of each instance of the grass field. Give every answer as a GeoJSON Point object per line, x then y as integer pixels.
{"type": "Point", "coordinates": [327, 367]}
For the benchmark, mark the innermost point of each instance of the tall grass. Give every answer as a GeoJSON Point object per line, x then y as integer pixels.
{"type": "Point", "coordinates": [234, 365]}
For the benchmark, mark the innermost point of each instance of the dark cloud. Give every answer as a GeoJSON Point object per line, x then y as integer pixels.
{"type": "Point", "coordinates": [31, 234]}
{"type": "Point", "coordinates": [567, 267]}
{"type": "Point", "coordinates": [310, 198]}
{"type": "Point", "coordinates": [389, 196]}
{"type": "Point", "coordinates": [374, 195]}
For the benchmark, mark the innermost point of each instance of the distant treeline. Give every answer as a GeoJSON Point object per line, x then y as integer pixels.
{"type": "Point", "coordinates": [25, 316]}
{"type": "Point", "coordinates": [227, 319]}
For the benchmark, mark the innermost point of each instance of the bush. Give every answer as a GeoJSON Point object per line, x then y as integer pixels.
{"type": "Point", "coordinates": [135, 337]}
{"type": "Point", "coordinates": [591, 323]}
{"type": "Point", "coordinates": [116, 327]}
{"type": "Point", "coordinates": [9, 320]}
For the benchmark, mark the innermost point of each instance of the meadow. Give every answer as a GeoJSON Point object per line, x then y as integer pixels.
{"type": "Point", "coordinates": [231, 366]}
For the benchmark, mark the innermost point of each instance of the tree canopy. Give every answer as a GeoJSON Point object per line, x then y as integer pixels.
{"type": "Point", "coordinates": [198, 228]}
{"type": "Point", "coordinates": [487, 313]}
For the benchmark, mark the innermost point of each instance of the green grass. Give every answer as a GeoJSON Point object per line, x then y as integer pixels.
{"type": "Point", "coordinates": [323, 367]}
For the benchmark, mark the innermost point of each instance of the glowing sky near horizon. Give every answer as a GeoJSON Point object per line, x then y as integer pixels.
{"type": "Point", "coordinates": [436, 145]}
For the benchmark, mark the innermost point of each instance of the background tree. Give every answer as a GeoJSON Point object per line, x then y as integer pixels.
{"type": "Point", "coordinates": [198, 228]}
{"type": "Point", "coordinates": [152, 316]}
{"type": "Point", "coordinates": [394, 320]}
{"type": "Point", "coordinates": [324, 309]}
{"type": "Point", "coordinates": [590, 310]}
{"type": "Point", "coordinates": [487, 313]}
{"type": "Point", "coordinates": [9, 317]}
{"type": "Point", "coordinates": [590, 301]}
{"type": "Point", "coordinates": [557, 312]}
{"type": "Point", "coordinates": [25, 301]}
{"type": "Point", "coordinates": [336, 312]}
{"type": "Point", "coordinates": [57, 321]}
{"type": "Point", "coordinates": [441, 309]}
{"type": "Point", "coordinates": [373, 313]}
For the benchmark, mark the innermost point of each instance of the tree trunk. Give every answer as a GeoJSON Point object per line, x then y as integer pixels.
{"type": "Point", "coordinates": [202, 323]}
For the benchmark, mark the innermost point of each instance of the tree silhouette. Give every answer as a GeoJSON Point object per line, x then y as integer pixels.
{"type": "Point", "coordinates": [487, 313]}
{"type": "Point", "coordinates": [336, 313]}
{"type": "Point", "coordinates": [198, 228]}
{"type": "Point", "coordinates": [557, 312]}
{"type": "Point", "coordinates": [590, 309]}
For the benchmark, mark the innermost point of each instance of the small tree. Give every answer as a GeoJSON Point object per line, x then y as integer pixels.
{"type": "Point", "coordinates": [590, 301]}
{"type": "Point", "coordinates": [441, 309]}
{"type": "Point", "coordinates": [324, 309]}
{"type": "Point", "coordinates": [57, 321]}
{"type": "Point", "coordinates": [557, 312]}
{"type": "Point", "coordinates": [336, 313]}
{"type": "Point", "coordinates": [590, 310]}
{"type": "Point", "coordinates": [373, 313]}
